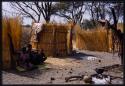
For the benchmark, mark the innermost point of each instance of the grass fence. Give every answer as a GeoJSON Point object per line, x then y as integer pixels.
{"type": "Point", "coordinates": [11, 39]}
{"type": "Point", "coordinates": [94, 40]}
{"type": "Point", "coordinates": [54, 39]}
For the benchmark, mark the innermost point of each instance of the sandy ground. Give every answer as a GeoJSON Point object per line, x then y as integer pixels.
{"type": "Point", "coordinates": [61, 67]}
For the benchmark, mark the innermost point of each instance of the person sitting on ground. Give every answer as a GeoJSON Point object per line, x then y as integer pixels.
{"type": "Point", "coordinates": [41, 57]}
{"type": "Point", "coordinates": [32, 54]}
{"type": "Point", "coordinates": [24, 59]}
{"type": "Point", "coordinates": [36, 58]}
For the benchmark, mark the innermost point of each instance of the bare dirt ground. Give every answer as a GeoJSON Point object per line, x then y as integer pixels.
{"type": "Point", "coordinates": [61, 67]}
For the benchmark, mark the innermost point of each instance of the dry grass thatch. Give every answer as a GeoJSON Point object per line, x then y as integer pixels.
{"type": "Point", "coordinates": [54, 39]}
{"type": "Point", "coordinates": [94, 40]}
{"type": "Point", "coordinates": [11, 33]}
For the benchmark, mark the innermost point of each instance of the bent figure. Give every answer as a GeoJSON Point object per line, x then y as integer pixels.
{"type": "Point", "coordinates": [36, 58]}
{"type": "Point", "coordinates": [39, 58]}
{"type": "Point", "coordinates": [43, 57]}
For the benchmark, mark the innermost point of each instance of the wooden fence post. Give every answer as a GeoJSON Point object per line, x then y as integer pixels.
{"type": "Point", "coordinates": [54, 42]}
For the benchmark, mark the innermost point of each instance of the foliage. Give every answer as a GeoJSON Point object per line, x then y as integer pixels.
{"type": "Point", "coordinates": [89, 24]}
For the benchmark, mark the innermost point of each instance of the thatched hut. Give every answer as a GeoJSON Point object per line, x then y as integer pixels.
{"type": "Point", "coordinates": [54, 39]}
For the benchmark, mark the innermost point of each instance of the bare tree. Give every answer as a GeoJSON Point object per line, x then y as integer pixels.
{"type": "Point", "coordinates": [72, 11]}
{"type": "Point", "coordinates": [99, 10]}
{"type": "Point", "coordinates": [34, 10]}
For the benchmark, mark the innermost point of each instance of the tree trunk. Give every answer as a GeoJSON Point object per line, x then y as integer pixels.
{"type": "Point", "coordinates": [47, 19]}
{"type": "Point", "coordinates": [114, 18]}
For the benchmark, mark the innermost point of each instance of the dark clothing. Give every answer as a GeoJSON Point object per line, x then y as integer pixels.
{"type": "Point", "coordinates": [23, 60]}
{"type": "Point", "coordinates": [36, 58]}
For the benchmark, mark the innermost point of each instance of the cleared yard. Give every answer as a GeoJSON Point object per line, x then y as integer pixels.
{"type": "Point", "coordinates": [61, 67]}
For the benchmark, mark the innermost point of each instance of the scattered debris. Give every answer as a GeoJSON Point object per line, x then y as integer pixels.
{"type": "Point", "coordinates": [50, 82]}
{"type": "Point", "coordinates": [99, 70]}
{"type": "Point", "coordinates": [52, 78]}
{"type": "Point", "coordinates": [73, 78]}
{"type": "Point", "coordinates": [99, 60]}
{"type": "Point", "coordinates": [91, 58]}
{"type": "Point", "coordinates": [117, 81]}
{"type": "Point", "coordinates": [115, 72]}
{"type": "Point", "coordinates": [60, 68]}
{"type": "Point", "coordinates": [87, 79]}
{"type": "Point", "coordinates": [106, 68]}
{"type": "Point", "coordinates": [101, 79]}
{"type": "Point", "coordinates": [70, 72]}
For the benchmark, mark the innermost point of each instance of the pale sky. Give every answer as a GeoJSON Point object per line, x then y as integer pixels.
{"type": "Point", "coordinates": [7, 7]}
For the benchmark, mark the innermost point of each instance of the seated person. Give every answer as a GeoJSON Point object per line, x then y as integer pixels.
{"type": "Point", "coordinates": [23, 60]}
{"type": "Point", "coordinates": [41, 57]}
{"type": "Point", "coordinates": [32, 55]}
{"type": "Point", "coordinates": [35, 58]}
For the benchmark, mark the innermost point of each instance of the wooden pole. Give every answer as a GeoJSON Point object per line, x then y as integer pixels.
{"type": "Point", "coordinates": [54, 42]}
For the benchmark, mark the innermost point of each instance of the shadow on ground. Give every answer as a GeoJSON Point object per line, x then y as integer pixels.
{"type": "Point", "coordinates": [75, 55]}
{"type": "Point", "coordinates": [36, 72]}
{"type": "Point", "coordinates": [29, 73]}
{"type": "Point", "coordinates": [79, 55]}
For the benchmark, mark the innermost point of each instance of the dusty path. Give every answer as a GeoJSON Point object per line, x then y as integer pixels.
{"type": "Point", "coordinates": [62, 67]}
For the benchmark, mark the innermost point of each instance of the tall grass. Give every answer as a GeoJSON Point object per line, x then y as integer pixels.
{"type": "Point", "coordinates": [5, 45]}
{"type": "Point", "coordinates": [10, 27]}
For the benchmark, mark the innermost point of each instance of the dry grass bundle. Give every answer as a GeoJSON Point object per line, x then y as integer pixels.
{"type": "Point", "coordinates": [16, 32]}
{"type": "Point", "coordinates": [11, 33]}
{"type": "Point", "coordinates": [5, 45]}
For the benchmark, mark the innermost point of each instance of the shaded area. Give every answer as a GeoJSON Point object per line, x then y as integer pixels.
{"type": "Point", "coordinates": [114, 68]}
{"type": "Point", "coordinates": [29, 73]}
{"type": "Point", "coordinates": [36, 72]}
{"type": "Point", "coordinates": [63, 67]}
{"type": "Point", "coordinates": [79, 55]}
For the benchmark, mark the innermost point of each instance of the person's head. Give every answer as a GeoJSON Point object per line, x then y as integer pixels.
{"type": "Point", "coordinates": [24, 49]}
{"type": "Point", "coordinates": [29, 46]}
